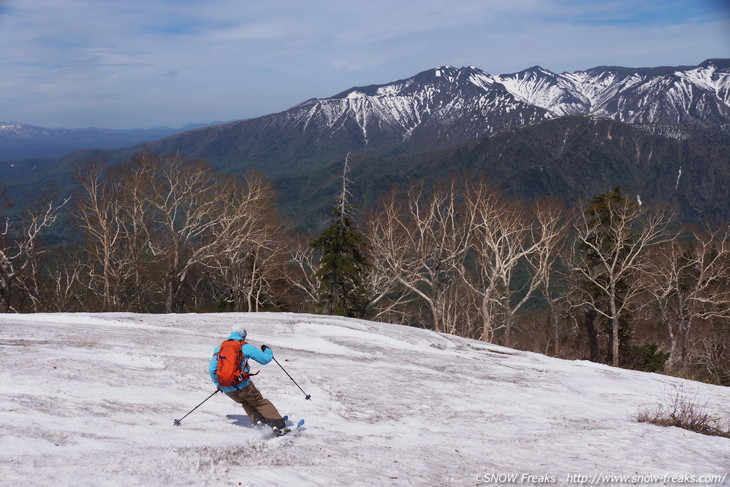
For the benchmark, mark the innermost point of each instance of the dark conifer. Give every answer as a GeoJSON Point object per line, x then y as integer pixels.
{"type": "Point", "coordinates": [343, 265]}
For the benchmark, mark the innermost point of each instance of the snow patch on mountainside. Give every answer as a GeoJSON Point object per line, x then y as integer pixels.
{"type": "Point", "coordinates": [465, 100]}
{"type": "Point", "coordinates": [698, 95]}
{"type": "Point", "coordinates": [546, 90]}
{"type": "Point", "coordinates": [10, 130]}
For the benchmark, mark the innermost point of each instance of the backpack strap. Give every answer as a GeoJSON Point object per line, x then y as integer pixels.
{"type": "Point", "coordinates": [246, 374]}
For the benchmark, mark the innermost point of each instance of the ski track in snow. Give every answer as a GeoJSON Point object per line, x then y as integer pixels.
{"type": "Point", "coordinates": [391, 405]}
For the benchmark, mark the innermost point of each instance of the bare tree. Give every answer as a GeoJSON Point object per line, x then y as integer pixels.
{"type": "Point", "coordinates": [249, 257]}
{"type": "Point", "coordinates": [461, 315]}
{"type": "Point", "coordinates": [186, 202]}
{"type": "Point", "coordinates": [505, 235]}
{"type": "Point", "coordinates": [20, 251]}
{"type": "Point", "coordinates": [301, 271]}
{"type": "Point", "coordinates": [67, 288]}
{"type": "Point", "coordinates": [689, 281]}
{"type": "Point", "coordinates": [421, 244]}
{"type": "Point", "coordinates": [388, 298]}
{"type": "Point", "coordinates": [612, 239]}
{"type": "Point", "coordinates": [134, 180]}
{"type": "Point", "coordinates": [98, 216]}
{"type": "Point", "coordinates": [710, 351]}
{"type": "Point", "coordinates": [552, 226]}
{"type": "Point", "coordinates": [496, 240]}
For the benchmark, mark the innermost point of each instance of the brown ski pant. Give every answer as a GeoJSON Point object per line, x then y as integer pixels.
{"type": "Point", "coordinates": [257, 407]}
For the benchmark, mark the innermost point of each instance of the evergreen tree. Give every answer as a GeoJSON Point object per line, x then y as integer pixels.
{"type": "Point", "coordinates": [343, 265]}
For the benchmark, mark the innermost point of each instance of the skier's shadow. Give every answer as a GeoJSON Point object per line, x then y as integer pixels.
{"type": "Point", "coordinates": [240, 420]}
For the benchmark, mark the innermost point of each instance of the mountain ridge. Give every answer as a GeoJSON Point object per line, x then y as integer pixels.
{"type": "Point", "coordinates": [449, 103]}
{"type": "Point", "coordinates": [443, 110]}
{"type": "Point", "coordinates": [458, 104]}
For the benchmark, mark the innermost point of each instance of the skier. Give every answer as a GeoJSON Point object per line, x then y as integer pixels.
{"type": "Point", "coordinates": [238, 385]}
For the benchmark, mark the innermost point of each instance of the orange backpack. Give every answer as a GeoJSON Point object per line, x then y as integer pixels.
{"type": "Point", "coordinates": [229, 371]}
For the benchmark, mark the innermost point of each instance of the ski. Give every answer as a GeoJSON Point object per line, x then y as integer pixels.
{"type": "Point", "coordinates": [299, 424]}
{"type": "Point", "coordinates": [289, 429]}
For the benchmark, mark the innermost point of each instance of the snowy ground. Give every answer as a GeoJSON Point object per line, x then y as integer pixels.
{"type": "Point", "coordinates": [90, 399]}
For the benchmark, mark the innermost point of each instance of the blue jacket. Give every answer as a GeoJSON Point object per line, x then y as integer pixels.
{"type": "Point", "coordinates": [249, 351]}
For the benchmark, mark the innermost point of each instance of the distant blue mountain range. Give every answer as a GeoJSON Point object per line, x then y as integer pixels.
{"type": "Point", "coordinates": [20, 141]}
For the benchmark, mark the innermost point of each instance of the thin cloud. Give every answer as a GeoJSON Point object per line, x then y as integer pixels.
{"type": "Point", "coordinates": [244, 59]}
{"type": "Point", "coordinates": [97, 96]}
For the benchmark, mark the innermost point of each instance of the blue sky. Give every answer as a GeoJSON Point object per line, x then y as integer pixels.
{"type": "Point", "coordinates": [143, 63]}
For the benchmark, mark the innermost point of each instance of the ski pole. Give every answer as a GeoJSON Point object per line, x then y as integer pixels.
{"type": "Point", "coordinates": [177, 422]}
{"type": "Point", "coordinates": [307, 396]}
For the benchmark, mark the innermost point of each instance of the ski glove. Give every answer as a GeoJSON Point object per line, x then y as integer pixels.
{"type": "Point", "coordinates": [263, 348]}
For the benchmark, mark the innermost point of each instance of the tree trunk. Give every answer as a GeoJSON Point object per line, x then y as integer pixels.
{"type": "Point", "coordinates": [553, 324]}
{"type": "Point", "coordinates": [138, 289]}
{"type": "Point", "coordinates": [437, 316]}
{"type": "Point", "coordinates": [238, 300]}
{"type": "Point", "coordinates": [615, 341]}
{"type": "Point", "coordinates": [169, 302]}
{"type": "Point", "coordinates": [487, 325]}
{"type": "Point", "coordinates": [673, 360]}
{"type": "Point", "coordinates": [173, 284]}
{"type": "Point", "coordinates": [107, 277]}
{"type": "Point", "coordinates": [508, 322]}
{"type": "Point", "coordinates": [6, 296]}
{"type": "Point", "coordinates": [684, 342]}
{"type": "Point", "coordinates": [589, 322]}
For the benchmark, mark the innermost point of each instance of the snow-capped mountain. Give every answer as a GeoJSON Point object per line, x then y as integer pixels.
{"type": "Point", "coordinates": [479, 103]}
{"type": "Point", "coordinates": [695, 95]}
{"type": "Point", "coordinates": [15, 130]}
{"type": "Point", "coordinates": [433, 109]}
{"type": "Point", "coordinates": [449, 101]}
{"type": "Point", "coordinates": [445, 106]}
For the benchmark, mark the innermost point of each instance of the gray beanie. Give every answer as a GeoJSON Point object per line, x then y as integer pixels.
{"type": "Point", "coordinates": [240, 329]}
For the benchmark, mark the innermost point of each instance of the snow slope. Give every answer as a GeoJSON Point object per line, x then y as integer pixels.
{"type": "Point", "coordinates": [471, 101]}
{"type": "Point", "coordinates": [691, 94]}
{"type": "Point", "coordinates": [390, 405]}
